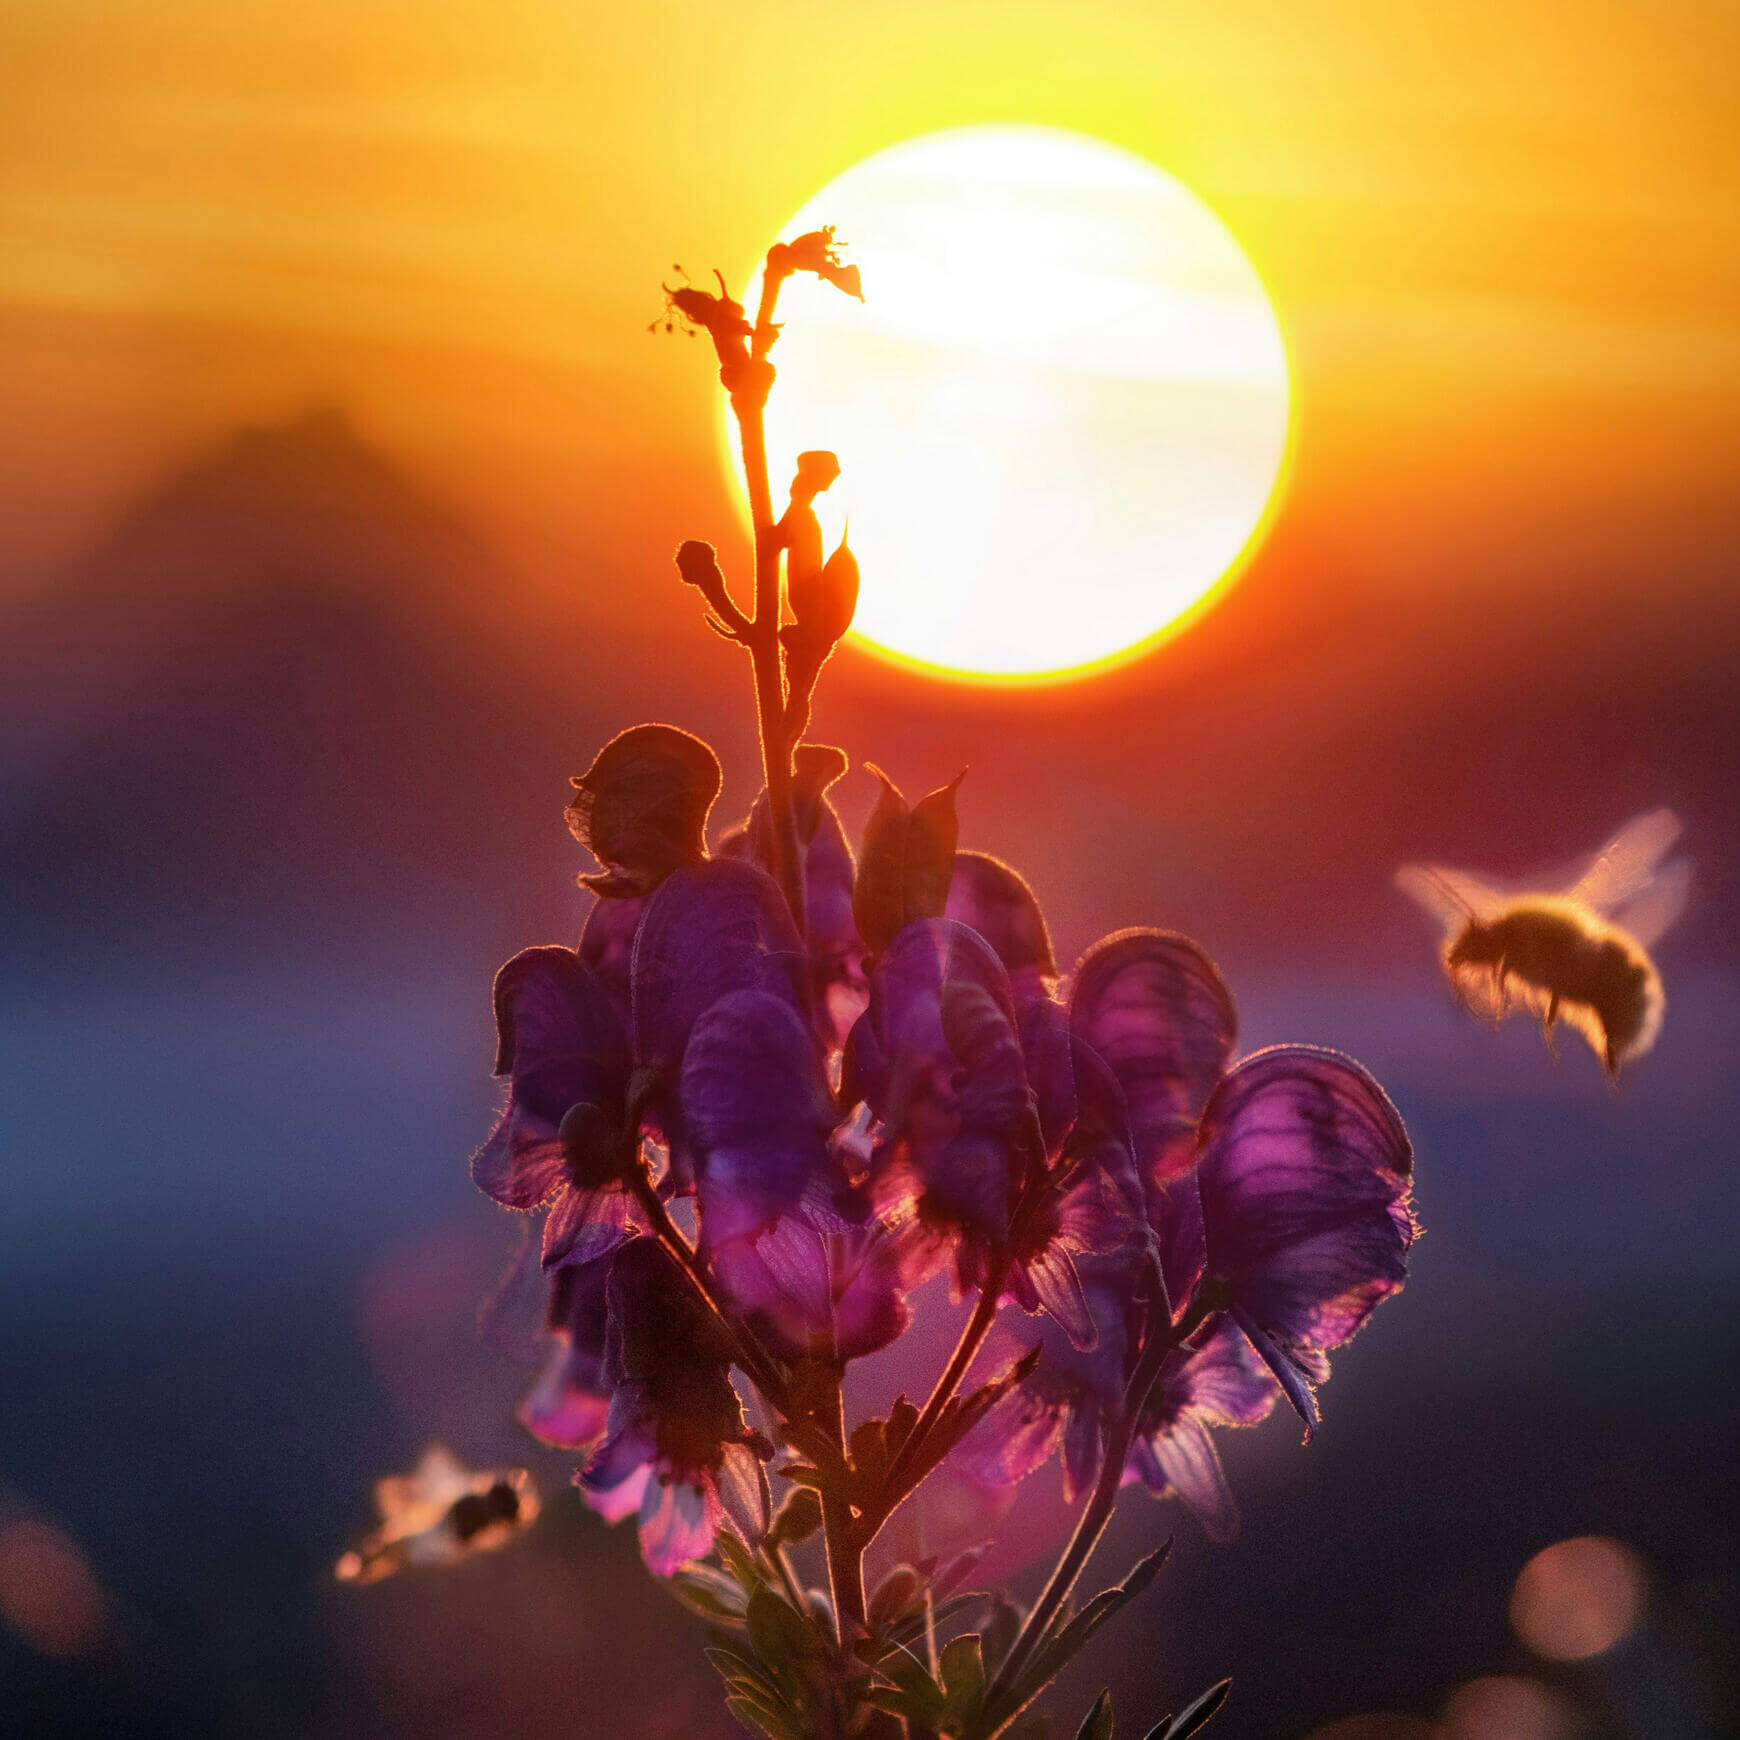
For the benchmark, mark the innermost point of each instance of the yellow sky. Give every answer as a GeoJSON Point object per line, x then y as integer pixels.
{"type": "Point", "coordinates": [1505, 237]}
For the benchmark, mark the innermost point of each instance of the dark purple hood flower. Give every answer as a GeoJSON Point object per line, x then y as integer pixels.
{"type": "Point", "coordinates": [568, 1405]}
{"type": "Point", "coordinates": [838, 983]}
{"type": "Point", "coordinates": [711, 929]}
{"type": "Point", "coordinates": [938, 1059]}
{"type": "Point", "coordinates": [1073, 1395]}
{"type": "Point", "coordinates": [985, 894]}
{"type": "Point", "coordinates": [607, 947]}
{"type": "Point", "coordinates": [641, 808]}
{"type": "Point", "coordinates": [1220, 1383]}
{"type": "Point", "coordinates": [559, 1042]}
{"type": "Point", "coordinates": [793, 1247]}
{"type": "Point", "coordinates": [1153, 1006]}
{"type": "Point", "coordinates": [1305, 1174]}
{"type": "Point", "coordinates": [677, 1449]}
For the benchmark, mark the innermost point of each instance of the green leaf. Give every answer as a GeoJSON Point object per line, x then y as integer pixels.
{"type": "Point", "coordinates": [869, 1454]}
{"type": "Point", "coordinates": [718, 1602]}
{"type": "Point", "coordinates": [902, 1417]}
{"type": "Point", "coordinates": [1196, 1716]}
{"type": "Point", "coordinates": [1098, 1725]}
{"type": "Point", "coordinates": [758, 1720]}
{"type": "Point", "coordinates": [963, 1677]}
{"type": "Point", "coordinates": [739, 1562]}
{"type": "Point", "coordinates": [914, 1694]}
{"type": "Point", "coordinates": [894, 1595]}
{"type": "Point", "coordinates": [782, 1638]}
{"type": "Point", "coordinates": [734, 1667]}
{"type": "Point", "coordinates": [1000, 1630]}
{"type": "Point", "coordinates": [1065, 1640]}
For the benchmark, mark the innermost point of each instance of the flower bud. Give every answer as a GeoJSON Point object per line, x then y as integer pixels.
{"type": "Point", "coordinates": [907, 861]}
{"type": "Point", "coordinates": [593, 1147]}
{"type": "Point", "coordinates": [641, 808]}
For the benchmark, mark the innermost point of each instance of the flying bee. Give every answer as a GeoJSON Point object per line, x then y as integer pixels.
{"type": "Point", "coordinates": [1580, 956]}
{"type": "Point", "coordinates": [438, 1514]}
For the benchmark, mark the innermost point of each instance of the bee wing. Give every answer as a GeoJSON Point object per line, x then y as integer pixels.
{"type": "Point", "coordinates": [1451, 896]}
{"type": "Point", "coordinates": [1656, 910]}
{"type": "Point", "coordinates": [1624, 867]}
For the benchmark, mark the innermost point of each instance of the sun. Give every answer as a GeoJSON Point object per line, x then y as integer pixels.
{"type": "Point", "coordinates": [1062, 412]}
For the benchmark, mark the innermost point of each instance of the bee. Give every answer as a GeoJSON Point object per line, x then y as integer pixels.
{"type": "Point", "coordinates": [1580, 956]}
{"type": "Point", "coordinates": [438, 1514]}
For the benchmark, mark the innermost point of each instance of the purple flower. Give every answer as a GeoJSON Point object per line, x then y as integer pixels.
{"type": "Point", "coordinates": [641, 808]}
{"type": "Point", "coordinates": [985, 894]}
{"type": "Point", "coordinates": [711, 929]}
{"type": "Point", "coordinates": [938, 1058]}
{"type": "Point", "coordinates": [838, 983]}
{"type": "Point", "coordinates": [824, 1279]}
{"type": "Point", "coordinates": [676, 1448]}
{"type": "Point", "coordinates": [1305, 1174]}
{"type": "Point", "coordinates": [1220, 1383]}
{"type": "Point", "coordinates": [757, 1111]}
{"type": "Point", "coordinates": [1073, 1395]}
{"type": "Point", "coordinates": [570, 1402]}
{"type": "Point", "coordinates": [607, 947]}
{"type": "Point", "coordinates": [793, 1248]}
{"type": "Point", "coordinates": [559, 1042]}
{"type": "Point", "coordinates": [1154, 1007]}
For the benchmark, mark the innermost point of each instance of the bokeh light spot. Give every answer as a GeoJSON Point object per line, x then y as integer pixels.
{"type": "Point", "coordinates": [1378, 1725]}
{"type": "Point", "coordinates": [1509, 1707]}
{"type": "Point", "coordinates": [1578, 1598]}
{"type": "Point", "coordinates": [47, 1592]}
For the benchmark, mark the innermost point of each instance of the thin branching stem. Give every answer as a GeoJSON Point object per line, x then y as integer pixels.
{"type": "Point", "coordinates": [845, 1550]}
{"type": "Point", "coordinates": [745, 1350]}
{"type": "Point", "coordinates": [972, 1338]}
{"type": "Point", "coordinates": [1163, 1337]}
{"type": "Point", "coordinates": [748, 404]}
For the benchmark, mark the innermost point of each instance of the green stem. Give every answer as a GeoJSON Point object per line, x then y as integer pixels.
{"type": "Point", "coordinates": [745, 1350]}
{"type": "Point", "coordinates": [972, 1337]}
{"type": "Point", "coordinates": [845, 1550]}
{"type": "Point", "coordinates": [1163, 1337]}
{"type": "Point", "coordinates": [748, 404]}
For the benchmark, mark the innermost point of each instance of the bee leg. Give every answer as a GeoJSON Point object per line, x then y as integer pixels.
{"type": "Point", "coordinates": [1547, 1032]}
{"type": "Point", "coordinates": [1500, 994]}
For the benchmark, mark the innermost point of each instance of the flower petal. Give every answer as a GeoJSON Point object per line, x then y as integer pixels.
{"type": "Point", "coordinates": [1191, 1464]}
{"type": "Point", "coordinates": [679, 1521]}
{"type": "Point", "coordinates": [937, 1056]}
{"type": "Point", "coordinates": [756, 1109]}
{"type": "Point", "coordinates": [559, 1040]}
{"type": "Point", "coordinates": [996, 901]}
{"type": "Point", "coordinates": [1305, 1193]}
{"type": "Point", "coordinates": [1155, 1007]}
{"type": "Point", "coordinates": [838, 984]}
{"type": "Point", "coordinates": [1288, 1369]}
{"type": "Point", "coordinates": [607, 947]}
{"type": "Point", "coordinates": [584, 1225]}
{"type": "Point", "coordinates": [641, 808]}
{"type": "Point", "coordinates": [711, 929]}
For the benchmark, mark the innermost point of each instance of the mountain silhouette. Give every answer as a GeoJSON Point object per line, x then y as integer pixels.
{"type": "Point", "coordinates": [249, 702]}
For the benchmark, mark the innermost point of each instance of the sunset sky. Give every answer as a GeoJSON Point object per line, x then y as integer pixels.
{"type": "Point", "coordinates": [1503, 240]}
{"type": "Point", "coordinates": [339, 481]}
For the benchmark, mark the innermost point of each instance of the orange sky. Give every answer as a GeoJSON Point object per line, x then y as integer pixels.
{"type": "Point", "coordinates": [1505, 239]}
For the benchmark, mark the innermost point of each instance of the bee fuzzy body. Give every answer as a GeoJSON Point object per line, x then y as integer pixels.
{"type": "Point", "coordinates": [1580, 956]}
{"type": "Point", "coordinates": [1560, 962]}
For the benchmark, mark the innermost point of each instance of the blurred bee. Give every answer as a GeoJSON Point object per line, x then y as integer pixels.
{"type": "Point", "coordinates": [1581, 956]}
{"type": "Point", "coordinates": [438, 1514]}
